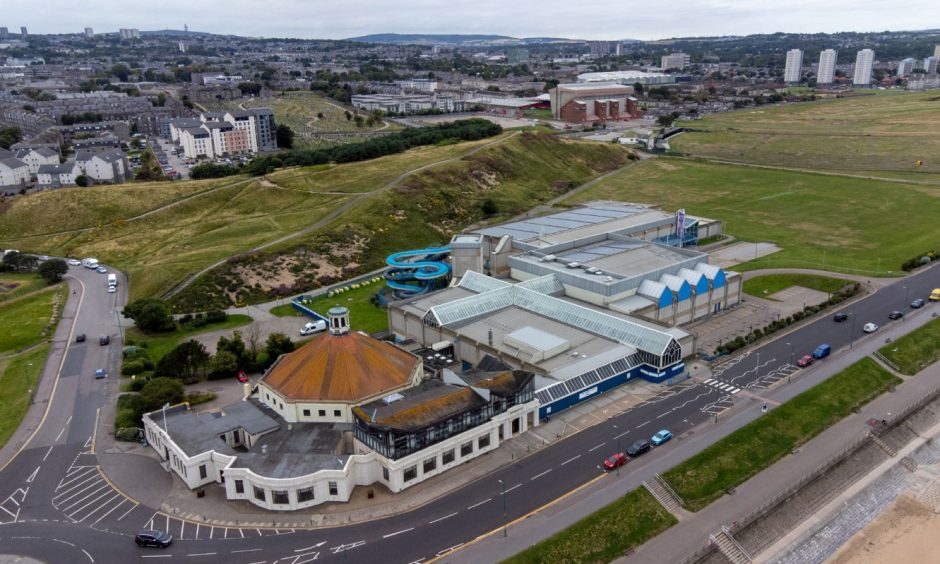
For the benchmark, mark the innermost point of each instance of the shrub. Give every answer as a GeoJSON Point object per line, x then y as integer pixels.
{"type": "Point", "coordinates": [132, 367]}
{"type": "Point", "coordinates": [216, 316]}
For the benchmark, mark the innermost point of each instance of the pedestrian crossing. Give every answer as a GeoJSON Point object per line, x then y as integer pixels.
{"type": "Point", "coordinates": [723, 386]}
{"type": "Point", "coordinates": [183, 529]}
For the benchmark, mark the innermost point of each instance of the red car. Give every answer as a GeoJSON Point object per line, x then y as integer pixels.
{"type": "Point", "coordinates": [805, 361]}
{"type": "Point", "coordinates": [615, 461]}
{"type": "Point", "coordinates": [242, 377]}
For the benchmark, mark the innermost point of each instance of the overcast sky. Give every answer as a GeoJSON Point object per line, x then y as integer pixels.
{"type": "Point", "coordinates": [582, 19]}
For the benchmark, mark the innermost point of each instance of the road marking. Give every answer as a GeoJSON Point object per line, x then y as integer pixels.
{"type": "Point", "coordinates": [89, 556]}
{"type": "Point", "coordinates": [246, 550]}
{"type": "Point", "coordinates": [305, 549]}
{"type": "Point", "coordinates": [512, 488]}
{"type": "Point", "coordinates": [59, 436]}
{"type": "Point", "coordinates": [573, 458]}
{"type": "Point", "coordinates": [661, 415]}
{"type": "Point", "coordinates": [481, 503]}
{"type": "Point", "coordinates": [345, 547]}
{"type": "Point", "coordinates": [442, 518]}
{"type": "Point", "coordinates": [537, 476]}
{"type": "Point", "coordinates": [48, 452]}
{"type": "Point", "coordinates": [157, 556]}
{"type": "Point", "coordinates": [60, 494]}
{"type": "Point", "coordinates": [211, 531]}
{"type": "Point", "coordinates": [102, 506]}
{"type": "Point", "coordinates": [642, 424]}
{"type": "Point", "coordinates": [451, 549]}
{"type": "Point", "coordinates": [112, 511]}
{"type": "Point", "coordinates": [197, 531]}
{"type": "Point", "coordinates": [65, 542]}
{"type": "Point", "coordinates": [621, 434]}
{"type": "Point", "coordinates": [33, 475]}
{"type": "Point", "coordinates": [597, 447]}
{"type": "Point", "coordinates": [94, 433]}
{"type": "Point", "coordinates": [203, 554]}
{"type": "Point", "coordinates": [397, 533]}
{"type": "Point", "coordinates": [129, 510]}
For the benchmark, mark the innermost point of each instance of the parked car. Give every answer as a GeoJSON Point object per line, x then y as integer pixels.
{"type": "Point", "coordinates": [822, 351]}
{"type": "Point", "coordinates": [917, 303]}
{"type": "Point", "coordinates": [100, 373]}
{"type": "Point", "coordinates": [840, 317]}
{"type": "Point", "coordinates": [242, 377]}
{"type": "Point", "coordinates": [74, 262]}
{"type": "Point", "coordinates": [661, 437]}
{"type": "Point", "coordinates": [896, 314]}
{"type": "Point", "coordinates": [935, 295]}
{"type": "Point", "coordinates": [870, 327]}
{"type": "Point", "coordinates": [104, 340]}
{"type": "Point", "coordinates": [615, 461]}
{"type": "Point", "coordinates": [112, 289]}
{"type": "Point", "coordinates": [102, 270]}
{"type": "Point", "coordinates": [153, 538]}
{"type": "Point", "coordinates": [805, 361]}
{"type": "Point", "coordinates": [313, 327]}
{"type": "Point", "coordinates": [80, 338]}
{"type": "Point", "coordinates": [638, 448]}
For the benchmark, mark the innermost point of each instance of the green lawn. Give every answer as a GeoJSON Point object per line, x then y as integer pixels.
{"type": "Point", "coordinates": [763, 286]}
{"type": "Point", "coordinates": [841, 224]}
{"type": "Point", "coordinates": [17, 380]}
{"type": "Point", "coordinates": [731, 461]}
{"type": "Point", "coordinates": [14, 285]}
{"type": "Point", "coordinates": [363, 316]}
{"type": "Point", "coordinates": [23, 320]}
{"type": "Point", "coordinates": [916, 350]}
{"type": "Point", "coordinates": [604, 535]}
{"type": "Point", "coordinates": [158, 344]}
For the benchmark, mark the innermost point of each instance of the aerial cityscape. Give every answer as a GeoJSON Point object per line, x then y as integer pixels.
{"type": "Point", "coordinates": [290, 283]}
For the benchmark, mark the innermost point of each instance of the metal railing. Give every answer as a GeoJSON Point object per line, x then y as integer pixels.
{"type": "Point", "coordinates": [669, 489]}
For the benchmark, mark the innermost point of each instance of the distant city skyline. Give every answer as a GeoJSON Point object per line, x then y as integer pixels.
{"type": "Point", "coordinates": [311, 19]}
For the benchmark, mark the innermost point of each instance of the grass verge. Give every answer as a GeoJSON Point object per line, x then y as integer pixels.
{"type": "Point", "coordinates": [605, 535]}
{"type": "Point", "coordinates": [23, 320]}
{"type": "Point", "coordinates": [18, 378]}
{"type": "Point", "coordinates": [14, 285]}
{"type": "Point", "coordinates": [363, 314]}
{"type": "Point", "coordinates": [763, 286]}
{"type": "Point", "coordinates": [734, 459]}
{"type": "Point", "coordinates": [158, 344]}
{"type": "Point", "coordinates": [916, 350]}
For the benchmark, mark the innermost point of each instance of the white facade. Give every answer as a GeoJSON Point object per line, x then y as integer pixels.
{"type": "Point", "coordinates": [930, 65]}
{"type": "Point", "coordinates": [827, 66]}
{"type": "Point", "coordinates": [363, 468]}
{"type": "Point", "coordinates": [674, 61]}
{"type": "Point", "coordinates": [905, 67]}
{"type": "Point", "coordinates": [102, 169]}
{"type": "Point", "coordinates": [34, 158]}
{"type": "Point", "coordinates": [129, 33]}
{"type": "Point", "coordinates": [13, 173]}
{"type": "Point", "coordinates": [794, 66]}
{"type": "Point", "coordinates": [418, 85]}
{"type": "Point", "coordinates": [196, 142]}
{"type": "Point", "coordinates": [863, 62]}
{"type": "Point", "coordinates": [54, 176]}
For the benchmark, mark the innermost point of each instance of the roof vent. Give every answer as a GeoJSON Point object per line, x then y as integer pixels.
{"type": "Point", "coordinates": [390, 399]}
{"type": "Point", "coordinates": [574, 264]}
{"type": "Point", "coordinates": [548, 258]}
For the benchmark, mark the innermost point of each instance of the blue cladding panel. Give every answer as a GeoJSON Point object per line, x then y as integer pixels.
{"type": "Point", "coordinates": [719, 279]}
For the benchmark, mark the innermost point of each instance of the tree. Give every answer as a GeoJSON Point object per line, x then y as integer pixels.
{"type": "Point", "coordinates": [489, 207]}
{"type": "Point", "coordinates": [665, 120]}
{"type": "Point", "coordinates": [253, 338]}
{"type": "Point", "coordinates": [52, 270]}
{"type": "Point", "coordinates": [150, 315]}
{"type": "Point", "coordinates": [285, 137]}
{"type": "Point", "coordinates": [223, 364]}
{"type": "Point", "coordinates": [160, 391]}
{"type": "Point", "coordinates": [278, 344]}
{"type": "Point", "coordinates": [19, 262]}
{"type": "Point", "coordinates": [160, 100]}
{"type": "Point", "coordinates": [236, 346]}
{"type": "Point", "coordinates": [9, 136]}
{"type": "Point", "coordinates": [638, 87]}
{"type": "Point", "coordinates": [121, 71]}
{"type": "Point", "coordinates": [187, 362]}
{"type": "Point", "coordinates": [82, 180]}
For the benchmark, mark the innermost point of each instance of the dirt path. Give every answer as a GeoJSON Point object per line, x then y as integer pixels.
{"type": "Point", "coordinates": [343, 208]}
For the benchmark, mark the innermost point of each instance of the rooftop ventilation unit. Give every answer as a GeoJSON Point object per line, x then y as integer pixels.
{"type": "Point", "coordinates": [548, 258]}
{"type": "Point", "coordinates": [392, 398]}
{"type": "Point", "coordinates": [574, 264]}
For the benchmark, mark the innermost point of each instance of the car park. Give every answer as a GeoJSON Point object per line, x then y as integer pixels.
{"type": "Point", "coordinates": [840, 317]}
{"type": "Point", "coordinates": [80, 338]}
{"type": "Point", "coordinates": [638, 448]}
{"type": "Point", "coordinates": [100, 373]}
{"type": "Point", "coordinates": [153, 538]}
{"type": "Point", "coordinates": [661, 437]}
{"type": "Point", "coordinates": [870, 327]}
{"type": "Point", "coordinates": [917, 303]}
{"type": "Point", "coordinates": [104, 340]}
{"type": "Point", "coordinates": [822, 351]}
{"type": "Point", "coordinates": [805, 361]}
{"type": "Point", "coordinates": [896, 314]}
{"type": "Point", "coordinates": [615, 461]}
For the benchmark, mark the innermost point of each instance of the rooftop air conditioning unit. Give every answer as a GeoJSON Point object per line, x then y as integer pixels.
{"type": "Point", "coordinates": [574, 264]}
{"type": "Point", "coordinates": [548, 258]}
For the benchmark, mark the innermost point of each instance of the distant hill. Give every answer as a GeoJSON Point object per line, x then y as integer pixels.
{"type": "Point", "coordinates": [421, 38]}
{"type": "Point", "coordinates": [176, 33]}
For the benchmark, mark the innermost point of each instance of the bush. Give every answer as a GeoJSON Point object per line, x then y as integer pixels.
{"type": "Point", "coordinates": [197, 398]}
{"type": "Point", "coordinates": [216, 316]}
{"type": "Point", "coordinates": [126, 433]}
{"type": "Point", "coordinates": [132, 367]}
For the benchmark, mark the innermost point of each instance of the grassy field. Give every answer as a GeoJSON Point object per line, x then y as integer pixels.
{"type": "Point", "coordinates": [158, 344]}
{"type": "Point", "coordinates": [363, 315]}
{"type": "Point", "coordinates": [763, 286]}
{"type": "Point", "coordinates": [826, 222]}
{"type": "Point", "coordinates": [729, 462]}
{"type": "Point", "coordinates": [863, 133]}
{"type": "Point", "coordinates": [916, 350]}
{"type": "Point", "coordinates": [23, 319]}
{"type": "Point", "coordinates": [14, 285]}
{"type": "Point", "coordinates": [18, 380]}
{"type": "Point", "coordinates": [605, 535]}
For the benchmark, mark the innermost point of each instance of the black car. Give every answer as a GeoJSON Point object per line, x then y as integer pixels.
{"type": "Point", "coordinates": [896, 314]}
{"type": "Point", "coordinates": [840, 317]}
{"type": "Point", "coordinates": [918, 303]}
{"type": "Point", "coordinates": [104, 340]}
{"type": "Point", "coordinates": [153, 538]}
{"type": "Point", "coordinates": [638, 448]}
{"type": "Point", "coordinates": [80, 338]}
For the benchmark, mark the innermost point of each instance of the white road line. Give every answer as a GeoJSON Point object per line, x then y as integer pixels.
{"type": "Point", "coordinates": [451, 549]}
{"type": "Point", "coordinates": [60, 494]}
{"type": "Point", "coordinates": [573, 458]}
{"type": "Point", "coordinates": [661, 415]}
{"type": "Point", "coordinates": [642, 424]}
{"type": "Point", "coordinates": [484, 501]}
{"type": "Point", "coordinates": [709, 381]}
{"type": "Point", "coordinates": [48, 452]}
{"type": "Point", "coordinates": [597, 447]}
{"type": "Point", "coordinates": [397, 533]}
{"type": "Point", "coordinates": [305, 549]}
{"type": "Point", "coordinates": [211, 531]}
{"type": "Point", "coordinates": [197, 532]}
{"type": "Point", "coordinates": [8, 511]}
{"type": "Point", "coordinates": [182, 528]}
{"type": "Point", "coordinates": [203, 554]}
{"type": "Point", "coordinates": [128, 511]}
{"type": "Point", "coordinates": [93, 492]}
{"type": "Point", "coordinates": [82, 508]}
{"type": "Point", "coordinates": [514, 487]}
{"type": "Point", "coordinates": [72, 544]}
{"type": "Point", "coordinates": [537, 476]}
{"type": "Point", "coordinates": [33, 475]}
{"type": "Point", "coordinates": [112, 511]}
{"type": "Point", "coordinates": [89, 556]}
{"type": "Point", "coordinates": [442, 518]}
{"type": "Point", "coordinates": [157, 556]}
{"type": "Point", "coordinates": [60, 435]}
{"type": "Point", "coordinates": [241, 532]}
{"type": "Point", "coordinates": [102, 506]}
{"type": "Point", "coordinates": [621, 434]}
{"type": "Point", "coordinates": [246, 550]}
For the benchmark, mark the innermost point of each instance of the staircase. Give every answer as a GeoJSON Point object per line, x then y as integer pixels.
{"type": "Point", "coordinates": [909, 464]}
{"type": "Point", "coordinates": [883, 445]}
{"type": "Point", "coordinates": [663, 493]}
{"type": "Point", "coordinates": [730, 547]}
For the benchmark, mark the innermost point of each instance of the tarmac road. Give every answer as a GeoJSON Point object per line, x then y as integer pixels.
{"type": "Point", "coordinates": [52, 490]}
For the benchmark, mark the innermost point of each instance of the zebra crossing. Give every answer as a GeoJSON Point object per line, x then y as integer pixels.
{"type": "Point", "coordinates": [85, 496]}
{"type": "Point", "coordinates": [723, 386]}
{"type": "Point", "coordinates": [182, 529]}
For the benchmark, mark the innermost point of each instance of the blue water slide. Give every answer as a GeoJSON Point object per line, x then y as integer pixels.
{"type": "Point", "coordinates": [417, 271]}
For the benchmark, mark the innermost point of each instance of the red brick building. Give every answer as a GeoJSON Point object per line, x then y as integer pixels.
{"type": "Point", "coordinates": [593, 103]}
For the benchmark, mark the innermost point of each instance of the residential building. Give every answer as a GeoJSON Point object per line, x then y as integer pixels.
{"type": "Point", "coordinates": [905, 67]}
{"type": "Point", "coordinates": [14, 174]}
{"type": "Point", "coordinates": [793, 70]}
{"type": "Point", "coordinates": [628, 77]}
{"type": "Point", "coordinates": [89, 32]}
{"type": "Point", "coordinates": [23, 32]}
{"type": "Point", "coordinates": [36, 157]}
{"type": "Point", "coordinates": [600, 48]}
{"type": "Point", "coordinates": [593, 102]}
{"type": "Point", "coordinates": [674, 61]}
{"type": "Point", "coordinates": [517, 56]}
{"type": "Point", "coordinates": [4, 33]}
{"type": "Point", "coordinates": [129, 33]}
{"type": "Point", "coordinates": [936, 51]}
{"type": "Point", "coordinates": [825, 73]}
{"type": "Point", "coordinates": [57, 175]}
{"type": "Point", "coordinates": [425, 85]}
{"type": "Point", "coordinates": [863, 63]}
{"type": "Point", "coordinates": [105, 166]}
{"type": "Point", "coordinates": [196, 142]}
{"type": "Point", "coordinates": [216, 134]}
{"type": "Point", "coordinates": [930, 65]}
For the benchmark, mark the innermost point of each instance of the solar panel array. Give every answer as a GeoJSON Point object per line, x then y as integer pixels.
{"type": "Point", "coordinates": [560, 390]}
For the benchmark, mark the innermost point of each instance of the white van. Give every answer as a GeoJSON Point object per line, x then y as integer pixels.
{"type": "Point", "coordinates": [112, 280]}
{"type": "Point", "coordinates": [90, 262]}
{"type": "Point", "coordinates": [314, 327]}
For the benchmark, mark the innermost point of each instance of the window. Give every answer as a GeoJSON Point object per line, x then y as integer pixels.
{"type": "Point", "coordinates": [306, 413]}
{"type": "Point", "coordinates": [411, 473]}
{"type": "Point", "coordinates": [259, 494]}
{"type": "Point", "coordinates": [280, 497]}
{"type": "Point", "coordinates": [202, 472]}
{"type": "Point", "coordinates": [322, 413]}
{"type": "Point", "coordinates": [447, 457]}
{"type": "Point", "coordinates": [333, 489]}
{"type": "Point", "coordinates": [484, 441]}
{"type": "Point", "coordinates": [337, 413]}
{"type": "Point", "coordinates": [430, 464]}
{"type": "Point", "coordinates": [304, 494]}
{"type": "Point", "coordinates": [466, 449]}
{"type": "Point", "coordinates": [385, 473]}
{"type": "Point", "coordinates": [239, 486]}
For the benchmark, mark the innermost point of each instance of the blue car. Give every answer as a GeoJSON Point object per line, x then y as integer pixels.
{"type": "Point", "coordinates": [100, 373]}
{"type": "Point", "coordinates": [661, 437]}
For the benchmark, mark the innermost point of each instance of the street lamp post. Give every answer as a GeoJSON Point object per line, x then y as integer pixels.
{"type": "Point", "coordinates": [29, 389]}
{"type": "Point", "coordinates": [505, 523]}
